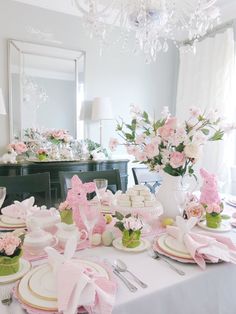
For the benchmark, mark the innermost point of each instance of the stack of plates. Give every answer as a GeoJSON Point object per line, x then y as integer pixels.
{"type": "Point", "coordinates": [11, 223]}
{"type": "Point", "coordinates": [171, 247]}
{"type": "Point", "coordinates": [37, 289]}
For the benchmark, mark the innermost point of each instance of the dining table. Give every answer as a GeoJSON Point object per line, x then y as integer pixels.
{"type": "Point", "coordinates": [209, 291]}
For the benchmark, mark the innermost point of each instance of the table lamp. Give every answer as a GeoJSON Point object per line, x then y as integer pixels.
{"type": "Point", "coordinates": [2, 104]}
{"type": "Point", "coordinates": [102, 110]}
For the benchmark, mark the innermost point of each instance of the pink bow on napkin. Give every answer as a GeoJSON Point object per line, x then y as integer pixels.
{"type": "Point", "coordinates": [79, 286]}
{"type": "Point", "coordinates": [20, 209]}
{"type": "Point", "coordinates": [202, 246]}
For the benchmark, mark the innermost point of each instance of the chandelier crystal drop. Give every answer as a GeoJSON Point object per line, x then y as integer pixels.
{"type": "Point", "coordinates": [153, 22]}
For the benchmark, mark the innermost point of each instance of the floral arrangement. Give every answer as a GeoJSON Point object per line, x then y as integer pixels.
{"type": "Point", "coordinates": [66, 213]}
{"type": "Point", "coordinates": [193, 208]}
{"type": "Point", "coordinates": [10, 252]}
{"type": "Point", "coordinates": [42, 154]}
{"type": "Point", "coordinates": [131, 227]}
{"type": "Point", "coordinates": [58, 136]}
{"type": "Point", "coordinates": [18, 147]}
{"type": "Point", "coordinates": [166, 144]}
{"type": "Point", "coordinates": [95, 150]}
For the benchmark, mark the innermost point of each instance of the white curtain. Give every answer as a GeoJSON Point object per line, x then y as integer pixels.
{"type": "Point", "coordinates": [207, 80]}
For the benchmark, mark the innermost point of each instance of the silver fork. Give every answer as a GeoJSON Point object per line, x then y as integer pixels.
{"type": "Point", "coordinates": [156, 255]}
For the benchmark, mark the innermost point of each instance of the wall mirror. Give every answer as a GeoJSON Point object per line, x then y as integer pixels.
{"type": "Point", "coordinates": [46, 88]}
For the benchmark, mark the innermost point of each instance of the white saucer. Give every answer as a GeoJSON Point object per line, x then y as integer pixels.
{"type": "Point", "coordinates": [24, 268]}
{"type": "Point", "coordinates": [224, 226]}
{"type": "Point", "coordinates": [145, 244]}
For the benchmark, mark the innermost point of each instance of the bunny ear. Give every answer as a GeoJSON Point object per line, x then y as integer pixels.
{"type": "Point", "coordinates": [54, 258]}
{"type": "Point", "coordinates": [70, 248]}
{"type": "Point", "coordinates": [75, 181]}
{"type": "Point", "coordinates": [89, 187]}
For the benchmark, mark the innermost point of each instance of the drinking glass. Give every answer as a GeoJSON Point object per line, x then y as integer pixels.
{"type": "Point", "coordinates": [89, 215]}
{"type": "Point", "coordinates": [101, 187]}
{"type": "Point", "coordinates": [3, 192]}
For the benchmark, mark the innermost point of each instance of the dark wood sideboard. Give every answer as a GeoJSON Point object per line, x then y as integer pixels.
{"type": "Point", "coordinates": [53, 168]}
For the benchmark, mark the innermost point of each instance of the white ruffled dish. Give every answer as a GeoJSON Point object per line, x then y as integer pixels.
{"type": "Point", "coordinates": [144, 245]}
{"type": "Point", "coordinates": [24, 268]}
{"type": "Point", "coordinates": [224, 226]}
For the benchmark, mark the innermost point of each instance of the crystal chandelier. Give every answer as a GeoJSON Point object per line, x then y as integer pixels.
{"type": "Point", "coordinates": [153, 22]}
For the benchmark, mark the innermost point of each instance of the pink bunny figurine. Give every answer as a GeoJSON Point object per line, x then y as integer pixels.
{"type": "Point", "coordinates": [209, 189]}
{"type": "Point", "coordinates": [76, 197]}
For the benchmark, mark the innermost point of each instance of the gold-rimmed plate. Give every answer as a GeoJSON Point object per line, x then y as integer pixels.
{"type": "Point", "coordinates": [171, 246]}
{"type": "Point", "coordinates": [42, 282]}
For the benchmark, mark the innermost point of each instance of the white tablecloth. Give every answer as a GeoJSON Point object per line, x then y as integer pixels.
{"type": "Point", "coordinates": [212, 291]}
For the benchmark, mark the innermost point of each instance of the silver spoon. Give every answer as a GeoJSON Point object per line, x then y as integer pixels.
{"type": "Point", "coordinates": [122, 267]}
{"type": "Point", "coordinates": [128, 284]}
{"type": "Point", "coordinates": [156, 255]}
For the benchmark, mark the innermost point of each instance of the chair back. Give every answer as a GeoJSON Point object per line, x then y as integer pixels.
{"type": "Point", "coordinates": [21, 187]}
{"type": "Point", "coordinates": [149, 178]}
{"type": "Point", "coordinates": [112, 176]}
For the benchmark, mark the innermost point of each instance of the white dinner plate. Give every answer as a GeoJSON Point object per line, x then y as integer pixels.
{"type": "Point", "coordinates": [12, 221]}
{"type": "Point", "coordinates": [224, 226]}
{"type": "Point", "coordinates": [27, 297]}
{"type": "Point", "coordinates": [144, 245]}
{"type": "Point", "coordinates": [24, 268]}
{"type": "Point", "coordinates": [11, 226]}
{"type": "Point", "coordinates": [42, 282]}
{"type": "Point", "coordinates": [172, 246]}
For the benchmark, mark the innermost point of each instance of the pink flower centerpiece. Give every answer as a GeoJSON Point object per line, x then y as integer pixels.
{"type": "Point", "coordinates": [58, 136]}
{"type": "Point", "coordinates": [169, 146]}
{"type": "Point", "coordinates": [131, 227]}
{"type": "Point", "coordinates": [66, 213]}
{"type": "Point", "coordinates": [10, 253]}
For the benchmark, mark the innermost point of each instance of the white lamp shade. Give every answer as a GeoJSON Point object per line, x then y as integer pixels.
{"type": "Point", "coordinates": [102, 109]}
{"type": "Point", "coordinates": [2, 104]}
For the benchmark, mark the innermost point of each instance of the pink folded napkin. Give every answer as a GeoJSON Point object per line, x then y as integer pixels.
{"type": "Point", "coordinates": [78, 285]}
{"type": "Point", "coordinates": [20, 209]}
{"type": "Point", "coordinates": [202, 246]}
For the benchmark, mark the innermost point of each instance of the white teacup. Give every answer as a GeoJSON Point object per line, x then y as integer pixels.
{"type": "Point", "coordinates": [65, 232]}
{"type": "Point", "coordinates": [37, 240]}
{"type": "Point", "coordinates": [46, 219]}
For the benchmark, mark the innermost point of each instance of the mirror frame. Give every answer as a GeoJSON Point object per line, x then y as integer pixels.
{"type": "Point", "coordinates": [59, 52]}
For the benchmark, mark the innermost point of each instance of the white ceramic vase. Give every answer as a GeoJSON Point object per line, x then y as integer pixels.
{"type": "Point", "coordinates": [171, 195]}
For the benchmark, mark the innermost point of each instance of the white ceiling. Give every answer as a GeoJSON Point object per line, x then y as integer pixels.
{"type": "Point", "coordinates": [228, 7]}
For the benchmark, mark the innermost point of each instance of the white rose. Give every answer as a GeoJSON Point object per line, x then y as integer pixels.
{"type": "Point", "coordinates": [192, 150]}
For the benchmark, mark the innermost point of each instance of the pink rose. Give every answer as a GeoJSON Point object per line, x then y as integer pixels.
{"type": "Point", "coordinates": [166, 132]}
{"type": "Point", "coordinates": [10, 249]}
{"type": "Point", "coordinates": [151, 150]}
{"type": "Point", "coordinates": [63, 206]}
{"type": "Point", "coordinates": [194, 209]}
{"type": "Point", "coordinates": [141, 156]}
{"type": "Point", "coordinates": [213, 208]}
{"type": "Point", "coordinates": [113, 143]}
{"type": "Point", "coordinates": [133, 150]}
{"type": "Point", "coordinates": [177, 159]}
